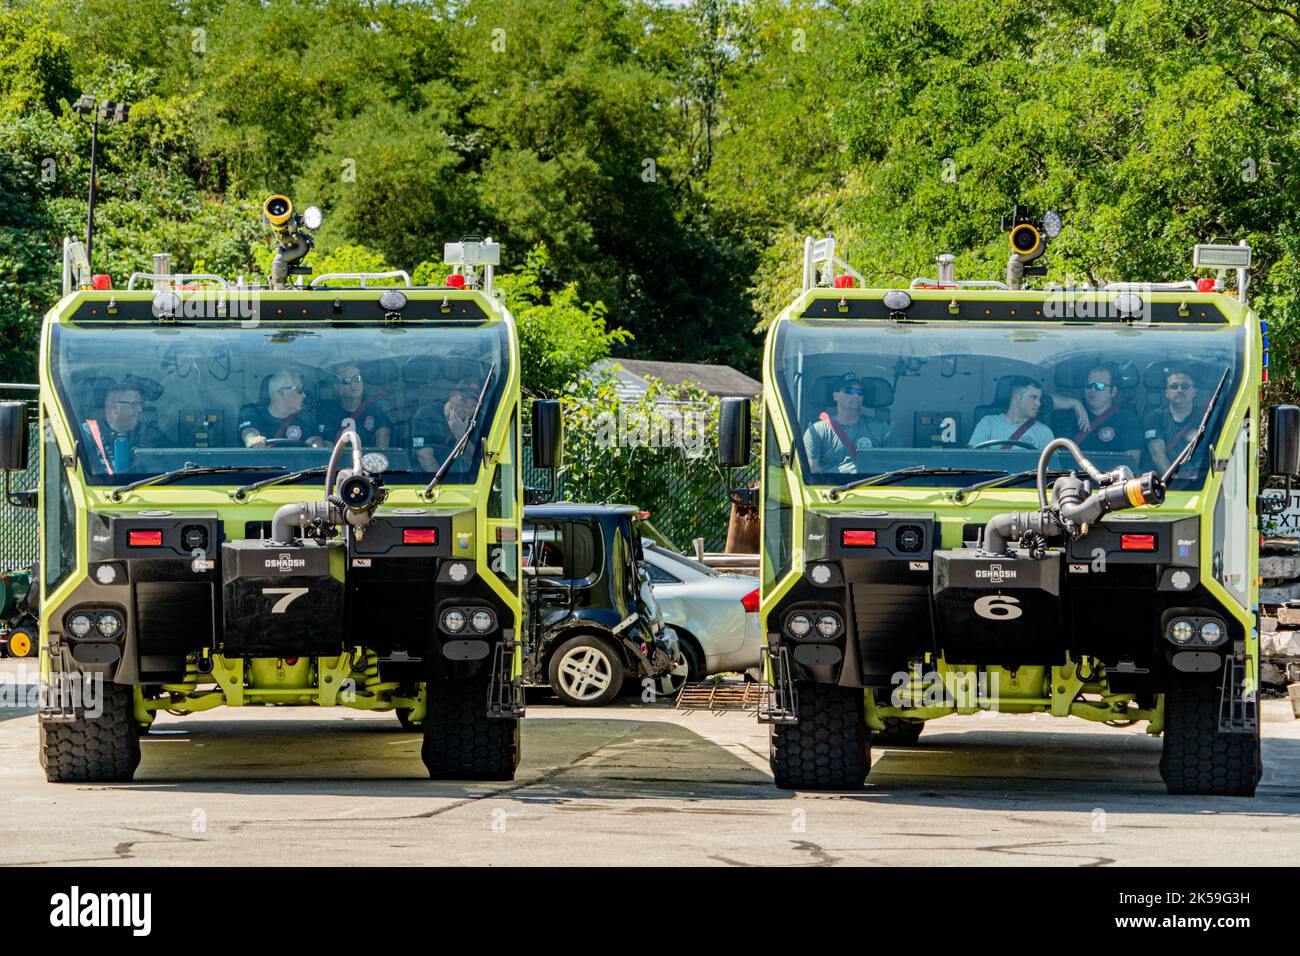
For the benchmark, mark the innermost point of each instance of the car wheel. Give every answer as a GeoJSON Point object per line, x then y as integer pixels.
{"type": "Point", "coordinates": [586, 671]}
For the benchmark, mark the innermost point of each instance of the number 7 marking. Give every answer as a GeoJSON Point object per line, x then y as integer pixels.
{"type": "Point", "coordinates": [290, 595]}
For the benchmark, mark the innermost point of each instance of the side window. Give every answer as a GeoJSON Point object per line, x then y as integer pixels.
{"type": "Point", "coordinates": [60, 515]}
{"type": "Point", "coordinates": [778, 513]}
{"type": "Point", "coordinates": [1232, 531]}
{"type": "Point", "coordinates": [544, 554]}
{"type": "Point", "coordinates": [659, 576]}
{"type": "Point", "coordinates": [502, 503]}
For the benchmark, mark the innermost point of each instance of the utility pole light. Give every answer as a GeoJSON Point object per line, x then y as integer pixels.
{"type": "Point", "coordinates": [109, 112]}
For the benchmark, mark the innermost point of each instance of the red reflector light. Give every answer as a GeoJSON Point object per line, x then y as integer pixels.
{"type": "Point", "coordinates": [101, 281]}
{"type": "Point", "coordinates": [858, 539]}
{"type": "Point", "coordinates": [419, 536]}
{"type": "Point", "coordinates": [456, 281]}
{"type": "Point", "coordinates": [144, 539]}
{"type": "Point", "coordinates": [750, 601]}
{"type": "Point", "coordinates": [1137, 542]}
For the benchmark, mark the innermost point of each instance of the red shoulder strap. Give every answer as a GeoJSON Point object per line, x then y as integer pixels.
{"type": "Point", "coordinates": [92, 426]}
{"type": "Point", "coordinates": [848, 443]}
{"type": "Point", "coordinates": [1020, 432]}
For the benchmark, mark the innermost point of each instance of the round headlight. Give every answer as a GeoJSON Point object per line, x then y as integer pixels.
{"type": "Point", "coordinates": [108, 624]}
{"type": "Point", "coordinates": [799, 624]}
{"type": "Point", "coordinates": [828, 624]}
{"type": "Point", "coordinates": [79, 624]}
{"type": "Point", "coordinates": [454, 620]}
{"type": "Point", "coordinates": [1182, 631]}
{"type": "Point", "coordinates": [1211, 632]}
{"type": "Point", "coordinates": [483, 620]}
{"type": "Point", "coordinates": [312, 217]}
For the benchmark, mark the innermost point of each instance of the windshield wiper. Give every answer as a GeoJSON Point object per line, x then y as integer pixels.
{"type": "Point", "coordinates": [1195, 440]}
{"type": "Point", "coordinates": [242, 491]}
{"type": "Point", "coordinates": [887, 476]}
{"type": "Point", "coordinates": [464, 439]}
{"type": "Point", "coordinates": [1006, 479]}
{"type": "Point", "coordinates": [188, 469]}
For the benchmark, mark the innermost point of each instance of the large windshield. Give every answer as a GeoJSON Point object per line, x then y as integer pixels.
{"type": "Point", "coordinates": [870, 398]}
{"type": "Point", "coordinates": [147, 399]}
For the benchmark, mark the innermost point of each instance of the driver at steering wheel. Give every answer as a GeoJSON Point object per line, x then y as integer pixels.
{"type": "Point", "coordinates": [282, 417]}
{"type": "Point", "coordinates": [1019, 423]}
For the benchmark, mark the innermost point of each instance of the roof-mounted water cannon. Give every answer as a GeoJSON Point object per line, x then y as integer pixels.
{"type": "Point", "coordinates": [291, 235]}
{"type": "Point", "coordinates": [467, 257]}
{"type": "Point", "coordinates": [1222, 255]}
{"type": "Point", "coordinates": [1029, 238]}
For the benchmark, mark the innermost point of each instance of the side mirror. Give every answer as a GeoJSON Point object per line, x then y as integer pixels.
{"type": "Point", "coordinates": [1283, 440]}
{"type": "Point", "coordinates": [13, 436]}
{"type": "Point", "coordinates": [548, 434]}
{"type": "Point", "coordinates": [733, 433]}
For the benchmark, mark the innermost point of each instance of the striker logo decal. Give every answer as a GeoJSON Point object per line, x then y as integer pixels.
{"type": "Point", "coordinates": [369, 423]}
{"type": "Point", "coordinates": [293, 432]}
{"type": "Point", "coordinates": [285, 562]}
{"type": "Point", "coordinates": [996, 574]}
{"type": "Point", "coordinates": [1106, 433]}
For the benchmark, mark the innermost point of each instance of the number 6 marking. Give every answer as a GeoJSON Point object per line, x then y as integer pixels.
{"type": "Point", "coordinates": [290, 595]}
{"type": "Point", "coordinates": [998, 607]}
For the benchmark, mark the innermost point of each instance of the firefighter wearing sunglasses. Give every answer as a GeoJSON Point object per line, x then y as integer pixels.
{"type": "Point", "coordinates": [833, 441]}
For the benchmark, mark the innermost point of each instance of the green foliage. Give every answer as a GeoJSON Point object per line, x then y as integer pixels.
{"type": "Point", "coordinates": [559, 334]}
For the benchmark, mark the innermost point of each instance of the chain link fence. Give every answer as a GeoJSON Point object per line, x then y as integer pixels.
{"type": "Point", "coordinates": [19, 544]}
{"type": "Point", "coordinates": [690, 497]}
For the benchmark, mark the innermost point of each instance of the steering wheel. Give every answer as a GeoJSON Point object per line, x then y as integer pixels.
{"type": "Point", "coordinates": [1006, 441]}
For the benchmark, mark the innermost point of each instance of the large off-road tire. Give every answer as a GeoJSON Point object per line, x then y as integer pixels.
{"type": "Point", "coordinates": [898, 732]}
{"type": "Point", "coordinates": [103, 749]}
{"type": "Point", "coordinates": [586, 671]}
{"type": "Point", "coordinates": [829, 748]}
{"type": "Point", "coordinates": [1196, 758]}
{"type": "Point", "coordinates": [461, 742]}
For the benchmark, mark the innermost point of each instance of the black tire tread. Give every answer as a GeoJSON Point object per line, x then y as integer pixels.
{"type": "Point", "coordinates": [103, 749]}
{"type": "Point", "coordinates": [461, 742]}
{"type": "Point", "coordinates": [830, 747]}
{"type": "Point", "coordinates": [1196, 758]}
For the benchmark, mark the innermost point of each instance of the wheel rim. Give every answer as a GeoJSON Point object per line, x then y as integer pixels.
{"type": "Point", "coordinates": [585, 673]}
{"type": "Point", "coordinates": [677, 676]}
{"type": "Point", "coordinates": [20, 644]}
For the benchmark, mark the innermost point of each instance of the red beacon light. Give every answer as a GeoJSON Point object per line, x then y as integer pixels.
{"type": "Point", "coordinates": [101, 282]}
{"type": "Point", "coordinates": [844, 282]}
{"type": "Point", "coordinates": [456, 280]}
{"type": "Point", "coordinates": [1205, 284]}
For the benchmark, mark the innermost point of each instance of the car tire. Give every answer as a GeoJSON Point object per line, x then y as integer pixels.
{"type": "Point", "coordinates": [103, 749]}
{"type": "Point", "coordinates": [1196, 758]}
{"type": "Point", "coordinates": [829, 748]}
{"type": "Point", "coordinates": [585, 671]}
{"type": "Point", "coordinates": [461, 742]}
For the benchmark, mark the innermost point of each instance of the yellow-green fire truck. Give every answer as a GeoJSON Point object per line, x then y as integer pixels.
{"type": "Point", "coordinates": [978, 496]}
{"type": "Point", "coordinates": [216, 531]}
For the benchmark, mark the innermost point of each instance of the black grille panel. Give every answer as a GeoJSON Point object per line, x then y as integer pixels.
{"type": "Point", "coordinates": [892, 623]}
{"type": "Point", "coordinates": [173, 617]}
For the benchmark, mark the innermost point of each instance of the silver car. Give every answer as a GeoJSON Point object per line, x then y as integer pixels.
{"type": "Point", "coordinates": [715, 615]}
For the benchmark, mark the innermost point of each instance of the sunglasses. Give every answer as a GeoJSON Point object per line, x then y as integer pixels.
{"type": "Point", "coordinates": [292, 388]}
{"type": "Point", "coordinates": [1180, 387]}
{"type": "Point", "coordinates": [854, 390]}
{"type": "Point", "coordinates": [351, 379]}
{"type": "Point", "coordinates": [1096, 386]}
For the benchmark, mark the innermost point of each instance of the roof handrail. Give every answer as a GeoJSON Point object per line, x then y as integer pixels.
{"type": "Point", "coordinates": [363, 276]}
{"type": "Point", "coordinates": [823, 251]}
{"type": "Point", "coordinates": [176, 278]}
{"type": "Point", "coordinates": [1186, 285]}
{"type": "Point", "coordinates": [959, 284]}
